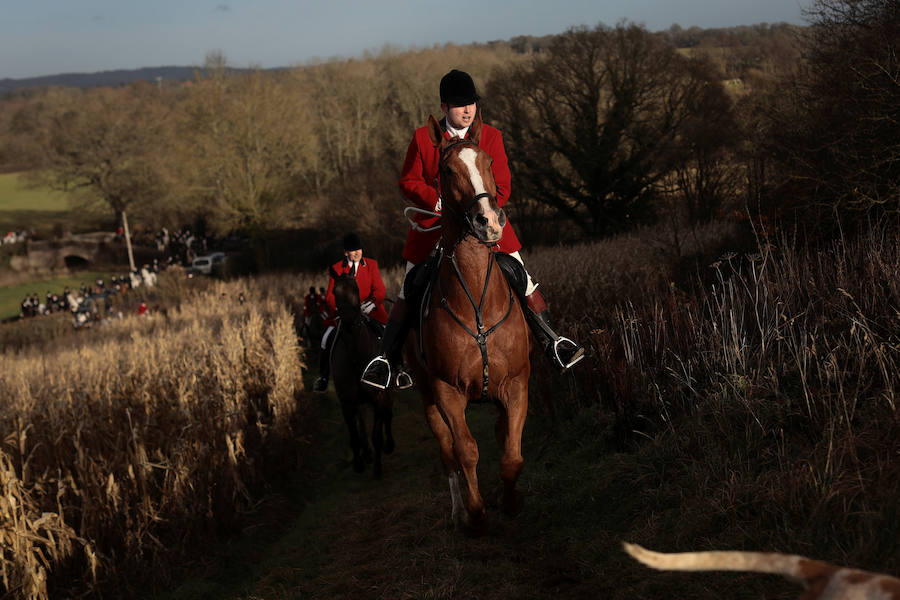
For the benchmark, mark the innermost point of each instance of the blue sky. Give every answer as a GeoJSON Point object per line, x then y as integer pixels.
{"type": "Point", "coordinates": [46, 37]}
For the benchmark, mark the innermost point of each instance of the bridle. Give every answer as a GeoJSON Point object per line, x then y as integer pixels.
{"type": "Point", "coordinates": [468, 228]}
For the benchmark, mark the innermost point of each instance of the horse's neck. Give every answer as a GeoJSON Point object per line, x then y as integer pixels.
{"type": "Point", "coordinates": [472, 258]}
{"type": "Point", "coordinates": [349, 314]}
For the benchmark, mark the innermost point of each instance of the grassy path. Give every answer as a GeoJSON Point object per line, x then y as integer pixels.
{"type": "Point", "coordinates": [338, 534]}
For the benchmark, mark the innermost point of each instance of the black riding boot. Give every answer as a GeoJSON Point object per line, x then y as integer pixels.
{"type": "Point", "coordinates": [321, 383]}
{"type": "Point", "coordinates": [386, 369]}
{"type": "Point", "coordinates": [561, 350]}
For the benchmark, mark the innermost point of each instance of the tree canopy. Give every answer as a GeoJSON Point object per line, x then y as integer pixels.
{"type": "Point", "coordinates": [599, 122]}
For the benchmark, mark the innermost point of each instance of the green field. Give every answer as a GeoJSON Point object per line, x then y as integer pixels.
{"type": "Point", "coordinates": [24, 207]}
{"type": "Point", "coordinates": [11, 296]}
{"type": "Point", "coordinates": [17, 196]}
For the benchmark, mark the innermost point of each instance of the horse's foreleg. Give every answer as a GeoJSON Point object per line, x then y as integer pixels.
{"type": "Point", "coordinates": [377, 438]}
{"type": "Point", "coordinates": [388, 412]}
{"type": "Point", "coordinates": [365, 443]}
{"type": "Point", "coordinates": [465, 450]}
{"type": "Point", "coordinates": [508, 429]}
{"type": "Point", "coordinates": [448, 458]}
{"type": "Point", "coordinates": [350, 417]}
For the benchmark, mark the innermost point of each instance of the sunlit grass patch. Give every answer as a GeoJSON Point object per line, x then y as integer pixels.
{"type": "Point", "coordinates": [16, 194]}
{"type": "Point", "coordinates": [11, 296]}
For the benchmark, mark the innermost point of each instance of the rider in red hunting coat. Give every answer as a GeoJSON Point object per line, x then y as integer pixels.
{"type": "Point", "coordinates": [312, 304]}
{"type": "Point", "coordinates": [371, 297]}
{"type": "Point", "coordinates": [418, 182]}
{"type": "Point", "coordinates": [368, 280]}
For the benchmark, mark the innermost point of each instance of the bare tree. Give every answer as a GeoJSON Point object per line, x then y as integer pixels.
{"type": "Point", "coordinates": [840, 136]}
{"type": "Point", "coordinates": [107, 143]}
{"type": "Point", "coordinates": [598, 124]}
{"type": "Point", "coordinates": [245, 146]}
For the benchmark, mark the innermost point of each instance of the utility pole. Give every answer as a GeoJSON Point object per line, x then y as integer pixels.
{"type": "Point", "coordinates": [128, 242]}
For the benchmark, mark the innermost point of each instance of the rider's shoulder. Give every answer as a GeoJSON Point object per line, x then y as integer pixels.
{"type": "Point", "coordinates": [490, 133]}
{"type": "Point", "coordinates": [421, 136]}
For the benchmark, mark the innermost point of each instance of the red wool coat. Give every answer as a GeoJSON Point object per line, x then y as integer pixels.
{"type": "Point", "coordinates": [417, 183]}
{"type": "Point", "coordinates": [371, 287]}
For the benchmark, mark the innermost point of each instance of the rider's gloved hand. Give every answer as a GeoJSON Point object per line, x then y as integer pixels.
{"type": "Point", "coordinates": [437, 206]}
{"type": "Point", "coordinates": [367, 306]}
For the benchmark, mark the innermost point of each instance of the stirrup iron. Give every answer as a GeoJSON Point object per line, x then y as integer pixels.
{"type": "Point", "coordinates": [373, 364]}
{"type": "Point", "coordinates": [579, 353]}
{"type": "Point", "coordinates": [403, 380]}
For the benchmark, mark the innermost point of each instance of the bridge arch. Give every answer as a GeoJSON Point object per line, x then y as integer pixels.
{"type": "Point", "coordinates": [76, 261]}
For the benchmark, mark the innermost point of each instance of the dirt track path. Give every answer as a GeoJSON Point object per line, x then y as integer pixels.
{"type": "Point", "coordinates": [338, 534]}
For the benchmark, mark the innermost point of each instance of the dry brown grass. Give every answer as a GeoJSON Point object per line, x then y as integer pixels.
{"type": "Point", "coordinates": [770, 394]}
{"type": "Point", "coordinates": [121, 454]}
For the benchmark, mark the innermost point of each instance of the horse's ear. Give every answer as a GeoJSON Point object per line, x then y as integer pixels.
{"type": "Point", "coordinates": [475, 128]}
{"type": "Point", "coordinates": [434, 131]}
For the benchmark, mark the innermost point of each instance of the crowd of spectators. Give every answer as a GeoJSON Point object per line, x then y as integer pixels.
{"type": "Point", "coordinates": [14, 237]}
{"type": "Point", "coordinates": [182, 247]}
{"type": "Point", "coordinates": [87, 303]}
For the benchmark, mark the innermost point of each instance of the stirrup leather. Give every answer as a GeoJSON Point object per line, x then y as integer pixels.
{"type": "Point", "coordinates": [577, 356]}
{"type": "Point", "coordinates": [372, 366]}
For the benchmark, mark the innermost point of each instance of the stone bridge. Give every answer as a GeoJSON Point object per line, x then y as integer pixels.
{"type": "Point", "coordinates": [71, 251]}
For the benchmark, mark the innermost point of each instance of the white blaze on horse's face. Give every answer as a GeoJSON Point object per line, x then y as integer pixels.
{"type": "Point", "coordinates": [487, 221]}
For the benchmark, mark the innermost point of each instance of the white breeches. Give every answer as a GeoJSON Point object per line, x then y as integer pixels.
{"type": "Point", "coordinates": [325, 336]}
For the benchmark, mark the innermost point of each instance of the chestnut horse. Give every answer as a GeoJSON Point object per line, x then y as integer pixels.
{"type": "Point", "coordinates": [474, 340]}
{"type": "Point", "coordinates": [355, 343]}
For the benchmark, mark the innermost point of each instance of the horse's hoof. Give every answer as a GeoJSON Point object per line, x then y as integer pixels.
{"type": "Point", "coordinates": [512, 504]}
{"type": "Point", "coordinates": [476, 525]}
{"type": "Point", "coordinates": [388, 446]}
{"type": "Point", "coordinates": [359, 465]}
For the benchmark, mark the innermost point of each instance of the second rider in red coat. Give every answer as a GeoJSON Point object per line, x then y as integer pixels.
{"type": "Point", "coordinates": [371, 297]}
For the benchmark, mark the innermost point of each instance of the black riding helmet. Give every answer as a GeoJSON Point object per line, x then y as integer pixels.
{"type": "Point", "coordinates": [352, 242]}
{"type": "Point", "coordinates": [458, 89]}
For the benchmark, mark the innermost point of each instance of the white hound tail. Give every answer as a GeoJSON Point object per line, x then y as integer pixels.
{"type": "Point", "coordinates": [822, 580]}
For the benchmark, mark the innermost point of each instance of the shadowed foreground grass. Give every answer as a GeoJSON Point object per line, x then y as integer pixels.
{"type": "Point", "coordinates": [344, 535]}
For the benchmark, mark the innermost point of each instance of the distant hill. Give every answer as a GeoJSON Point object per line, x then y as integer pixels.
{"type": "Point", "coordinates": [103, 78]}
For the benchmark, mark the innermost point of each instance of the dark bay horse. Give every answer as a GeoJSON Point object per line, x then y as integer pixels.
{"type": "Point", "coordinates": [475, 340]}
{"type": "Point", "coordinates": [355, 343]}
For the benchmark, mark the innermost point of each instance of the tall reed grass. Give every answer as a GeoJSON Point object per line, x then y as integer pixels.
{"type": "Point", "coordinates": [123, 453]}
{"type": "Point", "coordinates": [768, 390]}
